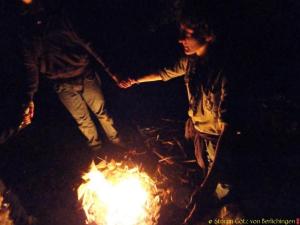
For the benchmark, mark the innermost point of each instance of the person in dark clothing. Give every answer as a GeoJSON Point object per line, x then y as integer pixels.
{"type": "Point", "coordinates": [212, 107]}
{"type": "Point", "coordinates": [10, 127]}
{"type": "Point", "coordinates": [16, 112]}
{"type": "Point", "coordinates": [56, 52]}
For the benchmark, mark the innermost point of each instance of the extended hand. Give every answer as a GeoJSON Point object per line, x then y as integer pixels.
{"type": "Point", "coordinates": [127, 83]}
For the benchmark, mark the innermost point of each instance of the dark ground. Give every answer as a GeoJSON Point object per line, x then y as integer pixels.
{"type": "Point", "coordinates": [44, 163]}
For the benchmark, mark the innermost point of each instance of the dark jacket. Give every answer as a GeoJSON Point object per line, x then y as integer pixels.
{"type": "Point", "coordinates": [55, 51]}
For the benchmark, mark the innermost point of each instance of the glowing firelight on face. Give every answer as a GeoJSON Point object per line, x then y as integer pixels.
{"type": "Point", "coordinates": [114, 194]}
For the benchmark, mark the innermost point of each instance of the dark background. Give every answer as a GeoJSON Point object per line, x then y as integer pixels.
{"type": "Point", "coordinates": [44, 162]}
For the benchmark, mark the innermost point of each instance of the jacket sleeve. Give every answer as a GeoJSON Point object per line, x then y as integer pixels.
{"type": "Point", "coordinates": [31, 61]}
{"type": "Point", "coordinates": [179, 69]}
{"type": "Point", "coordinates": [73, 33]}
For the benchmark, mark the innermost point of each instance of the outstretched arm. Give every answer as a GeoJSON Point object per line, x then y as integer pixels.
{"type": "Point", "coordinates": [145, 78]}
{"type": "Point", "coordinates": [165, 74]}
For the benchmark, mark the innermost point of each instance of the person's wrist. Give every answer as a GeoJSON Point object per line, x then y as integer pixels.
{"type": "Point", "coordinates": [136, 81]}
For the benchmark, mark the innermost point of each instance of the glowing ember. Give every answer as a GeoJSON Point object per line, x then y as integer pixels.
{"type": "Point", "coordinates": [114, 194]}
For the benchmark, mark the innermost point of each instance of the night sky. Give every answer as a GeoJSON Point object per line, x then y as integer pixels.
{"type": "Point", "coordinates": [139, 36]}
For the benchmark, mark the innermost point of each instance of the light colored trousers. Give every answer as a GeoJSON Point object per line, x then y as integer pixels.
{"type": "Point", "coordinates": [208, 147]}
{"type": "Point", "coordinates": [84, 95]}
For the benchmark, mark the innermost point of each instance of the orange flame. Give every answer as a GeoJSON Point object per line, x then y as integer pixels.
{"type": "Point", "coordinates": [114, 194]}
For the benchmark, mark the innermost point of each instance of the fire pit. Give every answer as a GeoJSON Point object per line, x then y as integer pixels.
{"type": "Point", "coordinates": [117, 194]}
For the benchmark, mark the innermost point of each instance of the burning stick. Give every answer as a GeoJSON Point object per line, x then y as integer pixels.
{"type": "Point", "coordinates": [167, 159]}
{"type": "Point", "coordinates": [163, 158]}
{"type": "Point", "coordinates": [190, 161]}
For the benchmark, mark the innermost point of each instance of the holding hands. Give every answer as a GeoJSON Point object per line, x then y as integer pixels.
{"type": "Point", "coordinates": [127, 83]}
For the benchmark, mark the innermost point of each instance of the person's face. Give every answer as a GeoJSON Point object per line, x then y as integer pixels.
{"type": "Point", "coordinates": [189, 43]}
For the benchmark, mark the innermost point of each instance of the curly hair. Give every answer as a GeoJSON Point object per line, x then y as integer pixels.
{"type": "Point", "coordinates": [203, 16]}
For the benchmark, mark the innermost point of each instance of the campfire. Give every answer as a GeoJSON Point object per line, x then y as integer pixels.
{"type": "Point", "coordinates": [117, 194]}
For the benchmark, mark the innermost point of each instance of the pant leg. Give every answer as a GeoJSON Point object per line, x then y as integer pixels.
{"type": "Point", "coordinates": [70, 96]}
{"type": "Point", "coordinates": [223, 188]}
{"type": "Point", "coordinates": [94, 98]}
